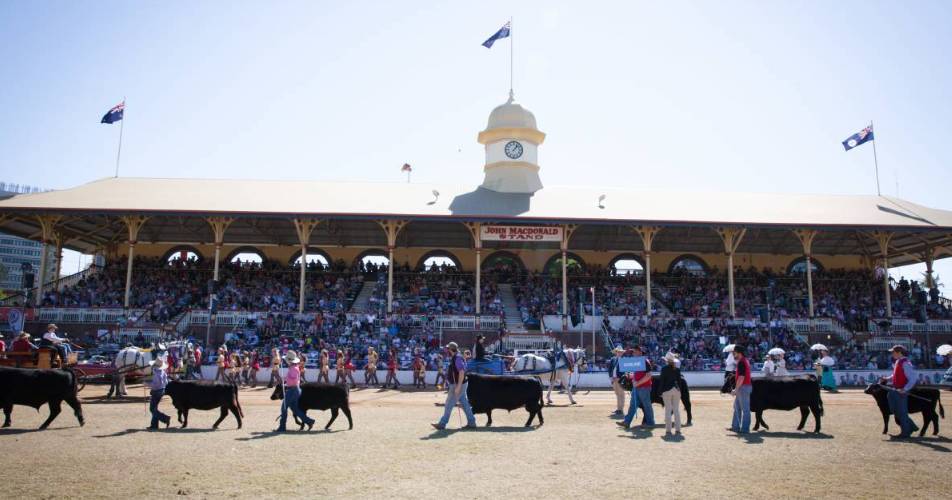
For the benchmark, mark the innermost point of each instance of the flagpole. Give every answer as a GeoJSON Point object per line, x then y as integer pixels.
{"type": "Point", "coordinates": [875, 160]}
{"type": "Point", "coordinates": [512, 42]}
{"type": "Point", "coordinates": [122, 122]}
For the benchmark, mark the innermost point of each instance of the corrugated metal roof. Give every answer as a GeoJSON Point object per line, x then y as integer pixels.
{"type": "Point", "coordinates": [553, 203]}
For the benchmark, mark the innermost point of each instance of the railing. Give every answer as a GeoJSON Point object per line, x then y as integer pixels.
{"type": "Point", "coordinates": [909, 326]}
{"type": "Point", "coordinates": [87, 315]}
{"type": "Point", "coordinates": [150, 334]}
{"type": "Point", "coordinates": [454, 322]}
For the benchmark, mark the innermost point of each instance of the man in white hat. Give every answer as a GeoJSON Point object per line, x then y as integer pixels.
{"type": "Point", "coordinates": [456, 390]}
{"type": "Point", "coordinates": [614, 373]}
{"type": "Point", "coordinates": [160, 379]}
{"type": "Point", "coordinates": [292, 392]}
{"type": "Point", "coordinates": [59, 343]}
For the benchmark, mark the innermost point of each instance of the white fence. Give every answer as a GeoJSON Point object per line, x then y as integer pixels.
{"type": "Point", "coordinates": [238, 318]}
{"type": "Point", "coordinates": [87, 315]}
{"type": "Point", "coordinates": [911, 326]}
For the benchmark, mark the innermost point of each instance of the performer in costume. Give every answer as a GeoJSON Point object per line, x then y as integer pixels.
{"type": "Point", "coordinates": [775, 366]}
{"type": "Point", "coordinates": [370, 371]}
{"type": "Point", "coordinates": [824, 367]}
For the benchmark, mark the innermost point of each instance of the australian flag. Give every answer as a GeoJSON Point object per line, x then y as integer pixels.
{"type": "Point", "coordinates": [502, 33]}
{"type": "Point", "coordinates": [858, 138]}
{"type": "Point", "coordinates": [114, 114]}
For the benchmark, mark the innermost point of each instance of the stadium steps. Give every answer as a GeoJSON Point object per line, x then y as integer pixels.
{"type": "Point", "coordinates": [362, 302]}
{"type": "Point", "coordinates": [511, 309]}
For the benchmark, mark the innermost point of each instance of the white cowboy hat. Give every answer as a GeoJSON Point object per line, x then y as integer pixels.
{"type": "Point", "coordinates": [670, 357]}
{"type": "Point", "coordinates": [776, 351]}
{"type": "Point", "coordinates": [618, 348]}
{"type": "Point", "coordinates": [728, 348]}
{"type": "Point", "coordinates": [944, 350]}
{"type": "Point", "coordinates": [292, 358]}
{"type": "Point", "coordinates": [157, 363]}
{"type": "Point", "coordinates": [818, 347]}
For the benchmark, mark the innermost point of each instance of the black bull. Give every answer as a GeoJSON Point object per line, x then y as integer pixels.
{"type": "Point", "coordinates": [35, 388]}
{"type": "Point", "coordinates": [317, 396]}
{"type": "Point", "coordinates": [502, 392]}
{"type": "Point", "coordinates": [204, 395]}
{"type": "Point", "coordinates": [783, 393]}
{"type": "Point", "coordinates": [656, 393]}
{"type": "Point", "coordinates": [915, 405]}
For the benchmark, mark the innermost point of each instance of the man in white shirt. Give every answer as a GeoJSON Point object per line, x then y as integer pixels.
{"type": "Point", "coordinates": [50, 339]}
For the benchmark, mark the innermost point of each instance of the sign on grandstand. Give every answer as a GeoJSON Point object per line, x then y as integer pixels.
{"type": "Point", "coordinates": [521, 233]}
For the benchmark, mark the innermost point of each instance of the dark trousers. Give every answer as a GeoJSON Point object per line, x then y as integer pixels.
{"type": "Point", "coordinates": [157, 416]}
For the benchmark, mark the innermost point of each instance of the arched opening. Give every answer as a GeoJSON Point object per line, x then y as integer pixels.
{"type": "Point", "coordinates": [688, 264]}
{"type": "Point", "coordinates": [573, 263]}
{"type": "Point", "coordinates": [315, 258]}
{"type": "Point", "coordinates": [372, 260]}
{"type": "Point", "coordinates": [626, 264]}
{"type": "Point", "coordinates": [799, 266]}
{"type": "Point", "coordinates": [183, 254]}
{"type": "Point", "coordinates": [439, 260]}
{"type": "Point", "coordinates": [246, 256]}
{"type": "Point", "coordinates": [503, 264]}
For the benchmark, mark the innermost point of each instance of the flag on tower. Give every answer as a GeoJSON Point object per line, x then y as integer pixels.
{"type": "Point", "coordinates": [858, 138]}
{"type": "Point", "coordinates": [406, 168]}
{"type": "Point", "coordinates": [114, 114]}
{"type": "Point", "coordinates": [502, 33]}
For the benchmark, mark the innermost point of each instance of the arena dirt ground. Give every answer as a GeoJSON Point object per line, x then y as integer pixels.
{"type": "Point", "coordinates": [393, 453]}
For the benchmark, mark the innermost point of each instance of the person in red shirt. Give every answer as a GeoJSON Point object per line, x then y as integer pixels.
{"type": "Point", "coordinates": [392, 370]}
{"type": "Point", "coordinates": [742, 389]}
{"type": "Point", "coordinates": [22, 343]}
{"type": "Point", "coordinates": [3, 345]}
{"type": "Point", "coordinates": [640, 395]}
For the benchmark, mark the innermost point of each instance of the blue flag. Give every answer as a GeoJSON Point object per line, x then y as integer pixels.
{"type": "Point", "coordinates": [858, 138]}
{"type": "Point", "coordinates": [502, 33]}
{"type": "Point", "coordinates": [114, 114]}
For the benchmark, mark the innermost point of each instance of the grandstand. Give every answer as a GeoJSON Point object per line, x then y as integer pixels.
{"type": "Point", "coordinates": [524, 263]}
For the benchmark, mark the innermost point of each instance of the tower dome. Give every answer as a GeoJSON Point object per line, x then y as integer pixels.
{"type": "Point", "coordinates": [511, 115]}
{"type": "Point", "coordinates": [511, 140]}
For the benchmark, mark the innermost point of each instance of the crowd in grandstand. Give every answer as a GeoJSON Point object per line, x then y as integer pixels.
{"type": "Point", "coordinates": [164, 289]}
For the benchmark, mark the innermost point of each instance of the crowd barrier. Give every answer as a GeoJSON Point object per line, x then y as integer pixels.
{"type": "Point", "coordinates": [446, 322]}
{"type": "Point", "coordinates": [589, 380]}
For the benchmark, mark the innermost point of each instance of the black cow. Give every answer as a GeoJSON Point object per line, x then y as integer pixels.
{"type": "Point", "coordinates": [916, 405]}
{"type": "Point", "coordinates": [204, 395]}
{"type": "Point", "coordinates": [783, 393]}
{"type": "Point", "coordinates": [503, 392]}
{"type": "Point", "coordinates": [315, 396]}
{"type": "Point", "coordinates": [626, 384]}
{"type": "Point", "coordinates": [35, 388]}
{"type": "Point", "coordinates": [682, 386]}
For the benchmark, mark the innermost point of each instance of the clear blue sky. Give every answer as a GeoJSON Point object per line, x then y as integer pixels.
{"type": "Point", "coordinates": [741, 96]}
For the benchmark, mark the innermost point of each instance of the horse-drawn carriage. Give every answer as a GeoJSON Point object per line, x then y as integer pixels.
{"type": "Point", "coordinates": [46, 358]}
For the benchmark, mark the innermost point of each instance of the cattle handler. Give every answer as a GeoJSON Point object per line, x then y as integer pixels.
{"type": "Point", "coordinates": [903, 379]}
{"type": "Point", "coordinates": [456, 390]}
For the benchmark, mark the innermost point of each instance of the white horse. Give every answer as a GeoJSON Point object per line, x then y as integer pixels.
{"type": "Point", "coordinates": [538, 365]}
{"type": "Point", "coordinates": [132, 359]}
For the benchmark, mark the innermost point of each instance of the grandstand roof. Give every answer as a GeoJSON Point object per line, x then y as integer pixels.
{"type": "Point", "coordinates": [177, 205]}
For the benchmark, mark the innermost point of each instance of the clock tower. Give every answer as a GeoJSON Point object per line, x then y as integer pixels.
{"type": "Point", "coordinates": [511, 140]}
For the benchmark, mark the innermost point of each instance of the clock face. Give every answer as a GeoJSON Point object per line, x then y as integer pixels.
{"type": "Point", "coordinates": [514, 150]}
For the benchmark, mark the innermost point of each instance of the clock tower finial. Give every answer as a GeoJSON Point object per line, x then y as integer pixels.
{"type": "Point", "coordinates": [512, 140]}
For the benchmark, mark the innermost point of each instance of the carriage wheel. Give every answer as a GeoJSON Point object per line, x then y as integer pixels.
{"type": "Point", "coordinates": [80, 379]}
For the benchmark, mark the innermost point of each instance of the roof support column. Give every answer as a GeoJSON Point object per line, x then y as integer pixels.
{"type": "Point", "coordinates": [219, 225]}
{"type": "Point", "coordinates": [647, 234]}
{"type": "Point", "coordinates": [133, 223]}
{"type": "Point", "coordinates": [48, 234]}
{"type": "Point", "coordinates": [732, 237]}
{"type": "Point", "coordinates": [928, 256]}
{"type": "Point", "coordinates": [567, 230]}
{"type": "Point", "coordinates": [58, 237]}
{"type": "Point", "coordinates": [304, 228]}
{"type": "Point", "coordinates": [392, 228]}
{"type": "Point", "coordinates": [475, 230]}
{"type": "Point", "coordinates": [883, 238]}
{"type": "Point", "coordinates": [806, 237]}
